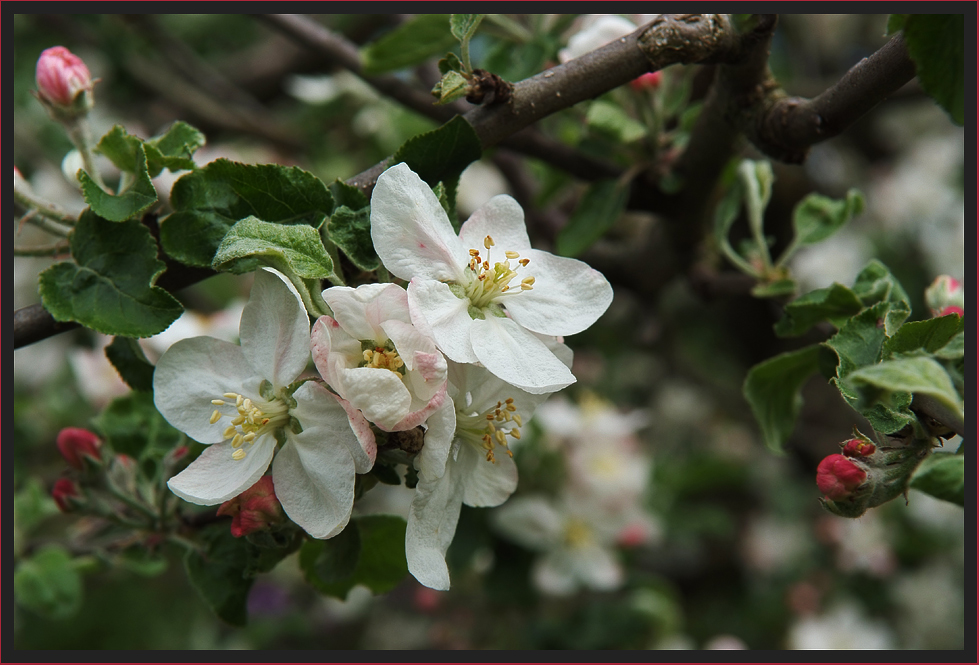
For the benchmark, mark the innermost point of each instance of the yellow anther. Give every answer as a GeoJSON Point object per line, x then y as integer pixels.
{"type": "Point", "coordinates": [238, 400]}
{"type": "Point", "coordinates": [526, 287]}
{"type": "Point", "coordinates": [517, 419]}
{"type": "Point", "coordinates": [488, 242]}
{"type": "Point", "coordinates": [509, 400]}
{"type": "Point", "coordinates": [524, 262]}
{"type": "Point", "coordinates": [485, 265]}
{"type": "Point", "coordinates": [511, 407]}
{"type": "Point", "coordinates": [473, 252]}
{"type": "Point", "coordinates": [237, 421]}
{"type": "Point", "coordinates": [238, 454]}
{"type": "Point", "coordinates": [231, 395]}
{"type": "Point", "coordinates": [237, 441]}
{"type": "Point", "coordinates": [515, 433]}
{"type": "Point", "coordinates": [490, 416]}
{"type": "Point", "coordinates": [500, 436]}
{"type": "Point", "coordinates": [490, 457]}
{"type": "Point", "coordinates": [249, 437]}
{"type": "Point", "coordinates": [529, 281]}
{"type": "Point", "coordinates": [217, 402]}
{"type": "Point", "coordinates": [490, 426]}
{"type": "Point", "coordinates": [229, 432]}
{"type": "Point", "coordinates": [247, 404]}
{"type": "Point", "coordinates": [511, 255]}
{"type": "Point", "coordinates": [216, 416]}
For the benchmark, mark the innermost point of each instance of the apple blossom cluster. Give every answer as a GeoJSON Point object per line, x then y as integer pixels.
{"type": "Point", "coordinates": [599, 507]}
{"type": "Point", "coordinates": [460, 360]}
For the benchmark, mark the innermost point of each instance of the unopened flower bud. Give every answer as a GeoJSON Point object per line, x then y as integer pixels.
{"type": "Point", "coordinates": [67, 495]}
{"type": "Point", "coordinates": [858, 448]}
{"type": "Point", "coordinates": [648, 81]}
{"type": "Point", "coordinates": [64, 83]}
{"type": "Point", "coordinates": [945, 296]}
{"type": "Point", "coordinates": [255, 509]}
{"type": "Point", "coordinates": [76, 444]}
{"type": "Point", "coordinates": [837, 477]}
{"type": "Point", "coordinates": [122, 473]}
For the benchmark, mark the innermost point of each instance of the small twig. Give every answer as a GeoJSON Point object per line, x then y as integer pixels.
{"type": "Point", "coordinates": [57, 249]}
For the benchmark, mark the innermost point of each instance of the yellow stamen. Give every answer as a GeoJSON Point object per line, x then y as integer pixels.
{"type": "Point", "coordinates": [216, 416]}
{"type": "Point", "coordinates": [217, 402]}
{"type": "Point", "coordinates": [229, 431]}
{"type": "Point", "coordinates": [488, 242]}
{"type": "Point", "coordinates": [238, 455]}
{"type": "Point", "coordinates": [511, 254]}
{"type": "Point", "coordinates": [237, 441]}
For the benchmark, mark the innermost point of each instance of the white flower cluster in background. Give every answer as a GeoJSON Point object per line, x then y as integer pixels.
{"type": "Point", "coordinates": [461, 358]}
{"type": "Point", "coordinates": [600, 507]}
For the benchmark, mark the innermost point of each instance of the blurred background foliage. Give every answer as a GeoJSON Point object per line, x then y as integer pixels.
{"type": "Point", "coordinates": [745, 556]}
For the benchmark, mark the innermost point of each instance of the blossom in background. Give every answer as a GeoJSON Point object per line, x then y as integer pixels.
{"type": "Point", "coordinates": [462, 289]}
{"type": "Point", "coordinates": [597, 31]}
{"type": "Point", "coordinates": [242, 400]}
{"type": "Point", "coordinates": [842, 627]}
{"type": "Point", "coordinates": [474, 466]}
{"type": "Point", "coordinates": [374, 358]}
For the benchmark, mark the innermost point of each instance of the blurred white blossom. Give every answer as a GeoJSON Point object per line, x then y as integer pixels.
{"type": "Point", "coordinates": [842, 627]}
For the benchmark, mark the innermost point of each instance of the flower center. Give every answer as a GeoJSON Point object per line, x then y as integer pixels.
{"type": "Point", "coordinates": [252, 421]}
{"type": "Point", "coordinates": [382, 357]}
{"type": "Point", "coordinates": [577, 533]}
{"type": "Point", "coordinates": [491, 427]}
{"type": "Point", "coordinates": [486, 284]}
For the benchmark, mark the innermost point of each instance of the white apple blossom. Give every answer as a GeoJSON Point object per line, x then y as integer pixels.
{"type": "Point", "coordinates": [243, 400]}
{"type": "Point", "coordinates": [474, 466]}
{"type": "Point", "coordinates": [462, 290]}
{"type": "Point", "coordinates": [597, 30]}
{"type": "Point", "coordinates": [374, 358]}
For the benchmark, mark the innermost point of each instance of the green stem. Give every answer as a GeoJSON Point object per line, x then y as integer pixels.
{"type": "Point", "coordinates": [81, 135]}
{"type": "Point", "coordinates": [756, 211]}
{"type": "Point", "coordinates": [43, 250]}
{"type": "Point", "coordinates": [136, 505]}
{"type": "Point", "coordinates": [35, 218]}
{"type": "Point", "coordinates": [186, 543]}
{"type": "Point", "coordinates": [27, 200]}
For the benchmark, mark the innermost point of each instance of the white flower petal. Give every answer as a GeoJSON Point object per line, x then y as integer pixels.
{"type": "Point", "coordinates": [349, 307]}
{"type": "Point", "coordinates": [531, 521]}
{"type": "Point", "coordinates": [274, 329]}
{"type": "Point", "coordinates": [380, 393]}
{"type": "Point", "coordinates": [596, 567]}
{"type": "Point", "coordinates": [321, 411]}
{"type": "Point", "coordinates": [411, 232]}
{"type": "Point", "coordinates": [602, 30]}
{"type": "Point", "coordinates": [553, 573]}
{"type": "Point", "coordinates": [432, 520]}
{"type": "Point", "coordinates": [314, 482]}
{"type": "Point", "coordinates": [568, 296]}
{"type": "Point", "coordinates": [215, 476]}
{"type": "Point", "coordinates": [438, 313]}
{"type": "Point", "coordinates": [502, 219]}
{"type": "Point", "coordinates": [487, 484]}
{"type": "Point", "coordinates": [430, 462]}
{"type": "Point", "coordinates": [518, 357]}
{"type": "Point", "coordinates": [189, 375]}
{"type": "Point", "coordinates": [391, 303]}
{"type": "Point", "coordinates": [367, 443]}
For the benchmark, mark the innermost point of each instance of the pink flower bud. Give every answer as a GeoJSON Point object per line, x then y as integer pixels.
{"type": "Point", "coordinates": [426, 600]}
{"type": "Point", "coordinates": [837, 476]}
{"type": "Point", "coordinates": [945, 296]}
{"type": "Point", "coordinates": [61, 76]}
{"type": "Point", "coordinates": [76, 443]}
{"type": "Point", "coordinates": [633, 535]}
{"type": "Point", "coordinates": [648, 81]}
{"type": "Point", "coordinates": [858, 448]}
{"type": "Point", "coordinates": [66, 494]}
{"type": "Point", "coordinates": [253, 510]}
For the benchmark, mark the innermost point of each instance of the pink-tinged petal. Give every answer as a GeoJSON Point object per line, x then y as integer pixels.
{"type": "Point", "coordinates": [502, 219]}
{"type": "Point", "coordinates": [333, 350]}
{"type": "Point", "coordinates": [380, 393]}
{"type": "Point", "coordinates": [420, 411]}
{"type": "Point", "coordinates": [364, 459]}
{"type": "Point", "coordinates": [391, 303]}
{"type": "Point", "coordinates": [274, 329]}
{"type": "Point", "coordinates": [189, 375]}
{"type": "Point", "coordinates": [432, 520]}
{"type": "Point", "coordinates": [411, 232]}
{"type": "Point", "coordinates": [426, 369]}
{"type": "Point", "coordinates": [215, 476]}
{"type": "Point", "coordinates": [349, 307]}
{"type": "Point", "coordinates": [518, 357]}
{"type": "Point", "coordinates": [430, 462]}
{"type": "Point", "coordinates": [487, 484]}
{"type": "Point", "coordinates": [568, 296]}
{"type": "Point", "coordinates": [439, 314]}
{"type": "Point", "coordinates": [314, 481]}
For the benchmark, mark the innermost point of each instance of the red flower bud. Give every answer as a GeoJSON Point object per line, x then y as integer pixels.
{"type": "Point", "coordinates": [951, 309]}
{"type": "Point", "coordinates": [61, 76]}
{"type": "Point", "coordinates": [648, 81]}
{"type": "Point", "coordinates": [253, 510]}
{"type": "Point", "coordinates": [858, 448]}
{"type": "Point", "coordinates": [66, 494]}
{"type": "Point", "coordinates": [76, 443]}
{"type": "Point", "coordinates": [945, 296]}
{"type": "Point", "coordinates": [837, 476]}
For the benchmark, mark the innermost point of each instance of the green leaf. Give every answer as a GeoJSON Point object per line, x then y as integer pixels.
{"type": "Point", "coordinates": [775, 289]}
{"type": "Point", "coordinates": [874, 284]}
{"type": "Point", "coordinates": [441, 154]}
{"type": "Point", "coordinates": [174, 149]}
{"type": "Point", "coordinates": [128, 358]}
{"type": "Point", "coordinates": [916, 375]}
{"type": "Point", "coordinates": [610, 119]}
{"type": "Point", "coordinates": [348, 195]}
{"type": "Point", "coordinates": [372, 555]}
{"type": "Point", "coordinates": [598, 210]}
{"type": "Point", "coordinates": [936, 43]}
{"type": "Point", "coordinates": [120, 147]}
{"type": "Point", "coordinates": [463, 26]}
{"type": "Point", "coordinates": [48, 583]}
{"type": "Point", "coordinates": [137, 198]}
{"type": "Point", "coordinates": [929, 335]}
{"type": "Point", "coordinates": [773, 387]}
{"type": "Point", "coordinates": [411, 43]}
{"type": "Point", "coordinates": [142, 562]}
{"type": "Point", "coordinates": [818, 217]}
{"type": "Point", "coordinates": [109, 285]}
{"type": "Point", "coordinates": [294, 250]}
{"type": "Point", "coordinates": [895, 23]}
{"type": "Point", "coordinates": [132, 426]}
{"type": "Point", "coordinates": [212, 199]}
{"type": "Point", "coordinates": [836, 304]}
{"type": "Point", "coordinates": [451, 86]}
{"type": "Point", "coordinates": [224, 570]}
{"type": "Point", "coordinates": [954, 350]}
{"type": "Point", "coordinates": [450, 63]}
{"type": "Point", "coordinates": [943, 476]}
{"type": "Point", "coordinates": [350, 230]}
{"type": "Point", "coordinates": [32, 505]}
